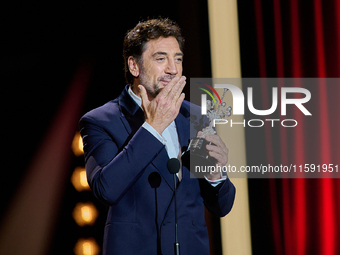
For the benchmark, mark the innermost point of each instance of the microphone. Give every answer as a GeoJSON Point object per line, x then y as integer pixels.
{"type": "Point", "coordinates": [154, 180]}
{"type": "Point", "coordinates": [173, 167]}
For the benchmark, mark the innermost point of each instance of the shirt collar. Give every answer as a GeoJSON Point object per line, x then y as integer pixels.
{"type": "Point", "coordinates": [135, 98]}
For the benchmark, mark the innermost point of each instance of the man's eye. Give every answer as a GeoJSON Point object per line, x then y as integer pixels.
{"type": "Point", "coordinates": [160, 59]}
{"type": "Point", "coordinates": [179, 59]}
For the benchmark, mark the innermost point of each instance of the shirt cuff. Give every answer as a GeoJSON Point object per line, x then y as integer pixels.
{"type": "Point", "coordinates": [214, 183]}
{"type": "Point", "coordinates": [153, 131]}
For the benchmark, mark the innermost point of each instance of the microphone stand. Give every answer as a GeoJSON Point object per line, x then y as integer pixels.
{"type": "Point", "coordinates": [176, 226]}
{"type": "Point", "coordinates": [173, 167]}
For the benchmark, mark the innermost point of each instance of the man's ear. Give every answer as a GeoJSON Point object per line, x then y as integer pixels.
{"type": "Point", "coordinates": [133, 66]}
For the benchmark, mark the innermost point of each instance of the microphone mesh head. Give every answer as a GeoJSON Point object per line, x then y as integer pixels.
{"type": "Point", "coordinates": [173, 165]}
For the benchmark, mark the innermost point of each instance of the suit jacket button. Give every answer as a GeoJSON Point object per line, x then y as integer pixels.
{"type": "Point", "coordinates": [194, 222]}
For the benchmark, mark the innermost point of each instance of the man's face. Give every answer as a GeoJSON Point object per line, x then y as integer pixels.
{"type": "Point", "coordinates": [161, 62]}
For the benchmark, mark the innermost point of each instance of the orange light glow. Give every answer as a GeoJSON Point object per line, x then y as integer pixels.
{"type": "Point", "coordinates": [85, 214]}
{"type": "Point", "coordinates": [77, 145]}
{"type": "Point", "coordinates": [79, 179]}
{"type": "Point", "coordinates": [87, 246]}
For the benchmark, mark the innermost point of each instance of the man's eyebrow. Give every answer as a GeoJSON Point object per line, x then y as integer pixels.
{"type": "Point", "coordinates": [165, 53]}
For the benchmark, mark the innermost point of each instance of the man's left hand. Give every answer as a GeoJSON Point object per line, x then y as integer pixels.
{"type": "Point", "coordinates": [219, 151]}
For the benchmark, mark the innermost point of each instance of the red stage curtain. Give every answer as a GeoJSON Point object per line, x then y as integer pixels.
{"type": "Point", "coordinates": [303, 40]}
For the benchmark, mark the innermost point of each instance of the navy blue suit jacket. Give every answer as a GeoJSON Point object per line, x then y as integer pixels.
{"type": "Point", "coordinates": [125, 163]}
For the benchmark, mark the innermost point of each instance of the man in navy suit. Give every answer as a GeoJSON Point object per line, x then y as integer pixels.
{"type": "Point", "coordinates": [128, 142]}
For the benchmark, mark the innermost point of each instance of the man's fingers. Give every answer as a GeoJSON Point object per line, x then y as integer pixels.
{"type": "Point", "coordinates": [167, 89]}
{"type": "Point", "coordinates": [218, 153]}
{"type": "Point", "coordinates": [216, 140]}
{"type": "Point", "coordinates": [175, 92]}
{"type": "Point", "coordinates": [180, 101]}
{"type": "Point", "coordinates": [219, 150]}
{"type": "Point", "coordinates": [219, 157]}
{"type": "Point", "coordinates": [174, 88]}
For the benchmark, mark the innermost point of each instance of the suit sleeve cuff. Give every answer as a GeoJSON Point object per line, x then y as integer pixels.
{"type": "Point", "coordinates": [149, 128]}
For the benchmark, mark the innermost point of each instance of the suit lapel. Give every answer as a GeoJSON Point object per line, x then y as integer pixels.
{"type": "Point", "coordinates": [183, 130]}
{"type": "Point", "coordinates": [160, 162]}
{"type": "Point", "coordinates": [132, 115]}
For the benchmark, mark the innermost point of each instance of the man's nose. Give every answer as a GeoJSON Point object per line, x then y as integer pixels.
{"type": "Point", "coordinates": [171, 67]}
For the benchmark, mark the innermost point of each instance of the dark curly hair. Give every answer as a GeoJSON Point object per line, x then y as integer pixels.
{"type": "Point", "coordinates": [136, 39]}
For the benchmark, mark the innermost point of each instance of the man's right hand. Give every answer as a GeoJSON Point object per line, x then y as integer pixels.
{"type": "Point", "coordinates": [164, 108]}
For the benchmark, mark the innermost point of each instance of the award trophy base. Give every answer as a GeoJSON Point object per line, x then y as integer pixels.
{"type": "Point", "coordinates": [196, 158]}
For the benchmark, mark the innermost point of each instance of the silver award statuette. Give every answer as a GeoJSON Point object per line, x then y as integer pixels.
{"type": "Point", "coordinates": [197, 154]}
